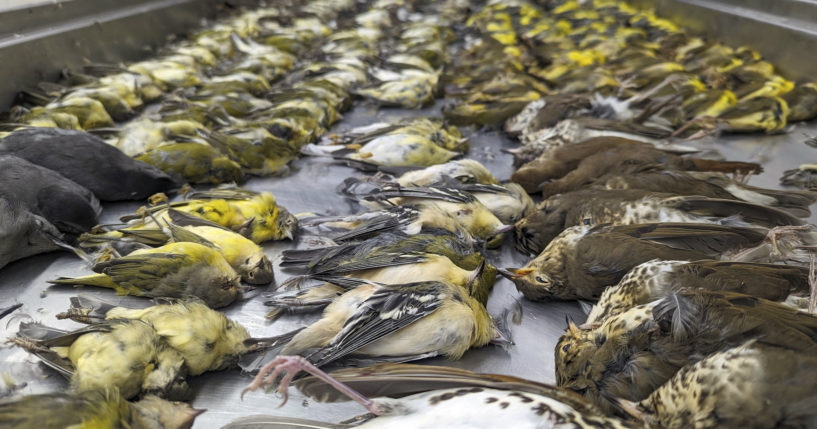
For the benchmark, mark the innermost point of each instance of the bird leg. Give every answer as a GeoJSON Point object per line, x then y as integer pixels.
{"type": "Point", "coordinates": [812, 282]}
{"type": "Point", "coordinates": [777, 232]}
{"type": "Point", "coordinates": [292, 365]}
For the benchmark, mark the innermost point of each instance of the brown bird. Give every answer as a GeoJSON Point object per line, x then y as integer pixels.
{"type": "Point", "coordinates": [633, 353]}
{"type": "Point", "coordinates": [630, 206]}
{"type": "Point", "coordinates": [438, 397]}
{"type": "Point", "coordinates": [570, 167]}
{"type": "Point", "coordinates": [655, 279]}
{"type": "Point", "coordinates": [583, 260]}
{"type": "Point", "coordinates": [775, 383]}
{"type": "Point", "coordinates": [658, 178]}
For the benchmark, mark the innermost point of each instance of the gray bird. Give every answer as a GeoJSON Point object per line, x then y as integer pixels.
{"type": "Point", "coordinates": [23, 233]}
{"type": "Point", "coordinates": [89, 161]}
{"type": "Point", "coordinates": [65, 204]}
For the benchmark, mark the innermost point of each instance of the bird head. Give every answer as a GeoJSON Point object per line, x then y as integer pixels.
{"type": "Point", "coordinates": [152, 411]}
{"type": "Point", "coordinates": [536, 230]}
{"type": "Point", "coordinates": [257, 269]}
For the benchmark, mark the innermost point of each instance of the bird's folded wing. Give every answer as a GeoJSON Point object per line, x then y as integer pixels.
{"type": "Point", "coordinates": [387, 311]}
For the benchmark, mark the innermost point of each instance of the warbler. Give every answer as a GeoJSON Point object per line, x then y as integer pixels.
{"type": "Point", "coordinates": [95, 409]}
{"type": "Point", "coordinates": [255, 215]}
{"type": "Point", "coordinates": [68, 206]}
{"type": "Point", "coordinates": [463, 170]}
{"type": "Point", "coordinates": [718, 390]}
{"type": "Point", "coordinates": [410, 89]}
{"type": "Point", "coordinates": [175, 270]}
{"type": "Point", "coordinates": [124, 354]}
{"type": "Point", "coordinates": [476, 218]}
{"type": "Point", "coordinates": [409, 219]}
{"type": "Point", "coordinates": [94, 164]}
{"type": "Point", "coordinates": [246, 257]}
{"type": "Point", "coordinates": [205, 338]}
{"type": "Point", "coordinates": [442, 398]}
{"type": "Point", "coordinates": [802, 102]}
{"type": "Point", "coordinates": [629, 206]}
{"type": "Point", "coordinates": [194, 163]}
{"type": "Point", "coordinates": [401, 316]}
{"type": "Point", "coordinates": [655, 279]}
{"type": "Point", "coordinates": [633, 353]}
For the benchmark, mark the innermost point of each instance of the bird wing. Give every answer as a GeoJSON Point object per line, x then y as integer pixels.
{"type": "Point", "coordinates": [387, 311]}
{"type": "Point", "coordinates": [398, 380]}
{"type": "Point", "coordinates": [185, 219]}
{"type": "Point", "coordinates": [444, 194]}
{"type": "Point", "coordinates": [709, 239]}
{"type": "Point", "coordinates": [143, 271]}
{"type": "Point", "coordinates": [388, 220]}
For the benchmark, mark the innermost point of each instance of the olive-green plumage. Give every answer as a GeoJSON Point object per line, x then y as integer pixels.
{"type": "Point", "coordinates": [94, 409]}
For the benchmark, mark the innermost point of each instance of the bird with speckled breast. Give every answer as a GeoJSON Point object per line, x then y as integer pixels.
{"type": "Point", "coordinates": [583, 260]}
{"type": "Point", "coordinates": [631, 206]}
{"type": "Point", "coordinates": [655, 279]}
{"type": "Point", "coordinates": [437, 396]}
{"type": "Point", "coordinates": [775, 383]}
{"type": "Point", "coordinates": [633, 353]}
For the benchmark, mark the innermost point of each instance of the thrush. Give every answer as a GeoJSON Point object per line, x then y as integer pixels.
{"type": "Point", "coordinates": [776, 383]}
{"type": "Point", "coordinates": [630, 206]}
{"type": "Point", "coordinates": [658, 178]}
{"type": "Point", "coordinates": [633, 353]}
{"type": "Point", "coordinates": [571, 167]}
{"type": "Point", "coordinates": [656, 279]}
{"type": "Point", "coordinates": [437, 396]}
{"type": "Point", "coordinates": [583, 260]}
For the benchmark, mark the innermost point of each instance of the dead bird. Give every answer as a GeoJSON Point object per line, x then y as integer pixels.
{"type": "Point", "coordinates": [630, 206]}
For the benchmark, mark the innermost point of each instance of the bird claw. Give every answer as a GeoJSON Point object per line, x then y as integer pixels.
{"type": "Point", "coordinates": [290, 365]}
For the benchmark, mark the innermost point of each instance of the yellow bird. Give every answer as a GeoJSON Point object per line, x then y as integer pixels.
{"type": "Point", "coordinates": [175, 270]}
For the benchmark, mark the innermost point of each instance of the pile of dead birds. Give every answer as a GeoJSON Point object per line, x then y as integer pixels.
{"type": "Point", "coordinates": [702, 286]}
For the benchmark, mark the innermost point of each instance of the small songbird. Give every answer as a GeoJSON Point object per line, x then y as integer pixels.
{"type": "Point", "coordinates": [70, 207]}
{"type": "Point", "coordinates": [583, 260]}
{"type": "Point", "coordinates": [194, 163]}
{"type": "Point", "coordinates": [708, 184]}
{"type": "Point", "coordinates": [776, 383]}
{"type": "Point", "coordinates": [570, 167]}
{"type": "Point", "coordinates": [396, 322]}
{"type": "Point", "coordinates": [205, 338]}
{"type": "Point", "coordinates": [23, 233]}
{"type": "Point", "coordinates": [438, 396]}
{"type": "Point", "coordinates": [630, 206]}
{"type": "Point", "coordinates": [461, 170]}
{"type": "Point", "coordinates": [175, 270]}
{"type": "Point", "coordinates": [655, 279]}
{"type": "Point", "coordinates": [476, 218]}
{"type": "Point", "coordinates": [391, 258]}
{"type": "Point", "coordinates": [255, 215]}
{"type": "Point", "coordinates": [633, 353]}
{"type": "Point", "coordinates": [126, 354]}
{"type": "Point", "coordinates": [247, 258]}
{"type": "Point", "coordinates": [89, 161]}
{"type": "Point", "coordinates": [94, 409]}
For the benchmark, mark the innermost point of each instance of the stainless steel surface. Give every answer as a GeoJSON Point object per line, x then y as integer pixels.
{"type": "Point", "coordinates": [784, 31]}
{"type": "Point", "coordinates": [311, 188]}
{"type": "Point", "coordinates": [38, 39]}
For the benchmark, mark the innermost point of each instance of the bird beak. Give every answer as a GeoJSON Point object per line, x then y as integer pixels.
{"type": "Point", "coordinates": [289, 234]}
{"type": "Point", "coordinates": [514, 273]}
{"type": "Point", "coordinates": [197, 413]}
{"type": "Point", "coordinates": [503, 229]}
{"type": "Point", "coordinates": [246, 226]}
{"type": "Point", "coordinates": [475, 277]}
